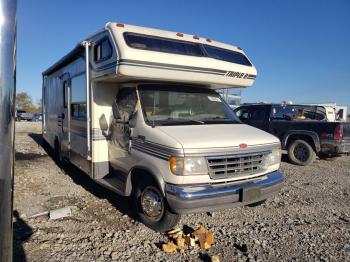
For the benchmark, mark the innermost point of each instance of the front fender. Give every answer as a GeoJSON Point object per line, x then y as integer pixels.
{"type": "Point", "coordinates": [152, 170]}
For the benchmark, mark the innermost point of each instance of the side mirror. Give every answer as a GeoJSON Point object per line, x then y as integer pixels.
{"type": "Point", "coordinates": [116, 113]}
{"type": "Point", "coordinates": [103, 123]}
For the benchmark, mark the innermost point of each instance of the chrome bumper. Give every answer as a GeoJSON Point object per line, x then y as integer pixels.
{"type": "Point", "coordinates": [185, 199]}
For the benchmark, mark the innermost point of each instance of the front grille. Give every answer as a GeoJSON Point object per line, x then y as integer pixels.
{"type": "Point", "coordinates": [235, 166]}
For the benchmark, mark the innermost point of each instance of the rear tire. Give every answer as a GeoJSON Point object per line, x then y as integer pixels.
{"type": "Point", "coordinates": [301, 153]}
{"type": "Point", "coordinates": [152, 208]}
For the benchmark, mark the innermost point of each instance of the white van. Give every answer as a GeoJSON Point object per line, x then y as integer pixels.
{"type": "Point", "coordinates": [136, 109]}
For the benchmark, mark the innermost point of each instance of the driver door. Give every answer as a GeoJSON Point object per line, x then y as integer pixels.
{"type": "Point", "coordinates": [120, 133]}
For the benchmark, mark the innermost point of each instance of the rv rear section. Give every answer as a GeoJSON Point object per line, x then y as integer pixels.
{"type": "Point", "coordinates": [136, 109]}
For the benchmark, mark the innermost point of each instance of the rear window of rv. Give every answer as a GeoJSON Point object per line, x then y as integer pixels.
{"type": "Point", "coordinates": [167, 45]}
{"type": "Point", "coordinates": [163, 45]}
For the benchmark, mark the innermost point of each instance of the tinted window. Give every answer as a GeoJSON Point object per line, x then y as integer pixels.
{"type": "Point", "coordinates": [226, 55]}
{"type": "Point", "coordinates": [252, 113]}
{"type": "Point", "coordinates": [102, 50]}
{"type": "Point", "coordinates": [163, 45]}
{"type": "Point", "coordinates": [167, 45]}
{"type": "Point", "coordinates": [78, 104]}
{"type": "Point", "coordinates": [257, 113]}
{"type": "Point", "coordinates": [242, 113]}
{"type": "Point", "coordinates": [298, 112]}
{"type": "Point", "coordinates": [79, 89]}
{"type": "Point", "coordinates": [65, 94]}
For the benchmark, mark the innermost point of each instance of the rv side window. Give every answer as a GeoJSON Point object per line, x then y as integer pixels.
{"type": "Point", "coordinates": [160, 44]}
{"type": "Point", "coordinates": [102, 50]}
{"type": "Point", "coordinates": [226, 55]}
{"type": "Point", "coordinates": [78, 87]}
{"type": "Point", "coordinates": [65, 94]}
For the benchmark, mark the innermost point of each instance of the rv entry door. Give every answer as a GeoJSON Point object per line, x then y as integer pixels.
{"type": "Point", "coordinates": [65, 118]}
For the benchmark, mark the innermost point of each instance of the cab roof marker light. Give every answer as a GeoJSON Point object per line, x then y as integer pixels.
{"type": "Point", "coordinates": [180, 34]}
{"type": "Point", "coordinates": [120, 25]}
{"type": "Point", "coordinates": [208, 40]}
{"type": "Point", "coordinates": [196, 37]}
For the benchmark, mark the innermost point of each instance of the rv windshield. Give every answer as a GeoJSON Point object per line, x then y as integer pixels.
{"type": "Point", "coordinates": [183, 105]}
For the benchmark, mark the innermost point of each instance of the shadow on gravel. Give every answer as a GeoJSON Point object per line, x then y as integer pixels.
{"type": "Point", "coordinates": [27, 156]}
{"type": "Point", "coordinates": [123, 204]}
{"type": "Point", "coordinates": [21, 232]}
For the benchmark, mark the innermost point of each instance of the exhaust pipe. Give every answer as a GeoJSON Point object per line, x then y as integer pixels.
{"type": "Point", "coordinates": [7, 114]}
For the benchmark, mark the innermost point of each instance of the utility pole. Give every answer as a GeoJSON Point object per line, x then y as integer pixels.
{"type": "Point", "coordinates": [7, 112]}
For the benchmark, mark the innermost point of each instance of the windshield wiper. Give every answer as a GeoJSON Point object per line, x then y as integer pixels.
{"type": "Point", "coordinates": [179, 121]}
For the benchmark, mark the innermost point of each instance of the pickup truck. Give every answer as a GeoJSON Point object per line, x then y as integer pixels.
{"type": "Point", "coordinates": [23, 115]}
{"type": "Point", "coordinates": [302, 130]}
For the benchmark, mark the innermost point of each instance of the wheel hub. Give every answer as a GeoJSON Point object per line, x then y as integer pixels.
{"type": "Point", "coordinates": [301, 152]}
{"type": "Point", "coordinates": [152, 202]}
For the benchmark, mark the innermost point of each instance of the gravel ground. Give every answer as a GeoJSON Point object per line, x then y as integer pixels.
{"type": "Point", "coordinates": [308, 221]}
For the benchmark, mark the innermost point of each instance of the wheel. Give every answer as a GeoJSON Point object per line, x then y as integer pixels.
{"type": "Point", "coordinates": [152, 208]}
{"type": "Point", "coordinates": [301, 153]}
{"type": "Point", "coordinates": [257, 203]}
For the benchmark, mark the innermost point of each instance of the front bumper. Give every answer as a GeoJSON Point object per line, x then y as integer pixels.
{"type": "Point", "coordinates": [184, 199]}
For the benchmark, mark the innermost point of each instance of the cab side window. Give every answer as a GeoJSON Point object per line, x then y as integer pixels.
{"type": "Point", "coordinates": [243, 114]}
{"type": "Point", "coordinates": [257, 114]}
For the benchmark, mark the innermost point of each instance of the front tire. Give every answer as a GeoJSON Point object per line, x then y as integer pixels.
{"type": "Point", "coordinates": [152, 208]}
{"type": "Point", "coordinates": [301, 153]}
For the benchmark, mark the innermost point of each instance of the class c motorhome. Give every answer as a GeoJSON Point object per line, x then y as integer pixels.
{"type": "Point", "coordinates": [136, 109]}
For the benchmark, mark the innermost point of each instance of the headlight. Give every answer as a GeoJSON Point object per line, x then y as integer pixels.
{"type": "Point", "coordinates": [188, 165]}
{"type": "Point", "coordinates": [273, 158]}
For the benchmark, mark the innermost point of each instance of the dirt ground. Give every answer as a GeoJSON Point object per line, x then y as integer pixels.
{"type": "Point", "coordinates": [308, 221]}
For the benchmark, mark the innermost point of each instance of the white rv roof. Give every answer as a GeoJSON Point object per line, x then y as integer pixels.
{"type": "Point", "coordinates": [218, 65]}
{"type": "Point", "coordinates": [153, 65]}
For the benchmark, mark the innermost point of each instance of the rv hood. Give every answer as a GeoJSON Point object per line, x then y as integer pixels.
{"type": "Point", "coordinates": [218, 136]}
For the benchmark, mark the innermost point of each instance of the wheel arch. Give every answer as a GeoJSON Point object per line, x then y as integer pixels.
{"type": "Point", "coordinates": [136, 171]}
{"type": "Point", "coordinates": [308, 136]}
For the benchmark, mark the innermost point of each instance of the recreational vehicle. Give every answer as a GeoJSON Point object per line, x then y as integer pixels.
{"type": "Point", "coordinates": [136, 109]}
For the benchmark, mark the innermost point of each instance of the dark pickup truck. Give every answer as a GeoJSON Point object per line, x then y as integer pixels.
{"type": "Point", "coordinates": [302, 130]}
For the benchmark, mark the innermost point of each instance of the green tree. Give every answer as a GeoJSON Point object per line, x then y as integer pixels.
{"type": "Point", "coordinates": [25, 102]}
{"type": "Point", "coordinates": [39, 106]}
